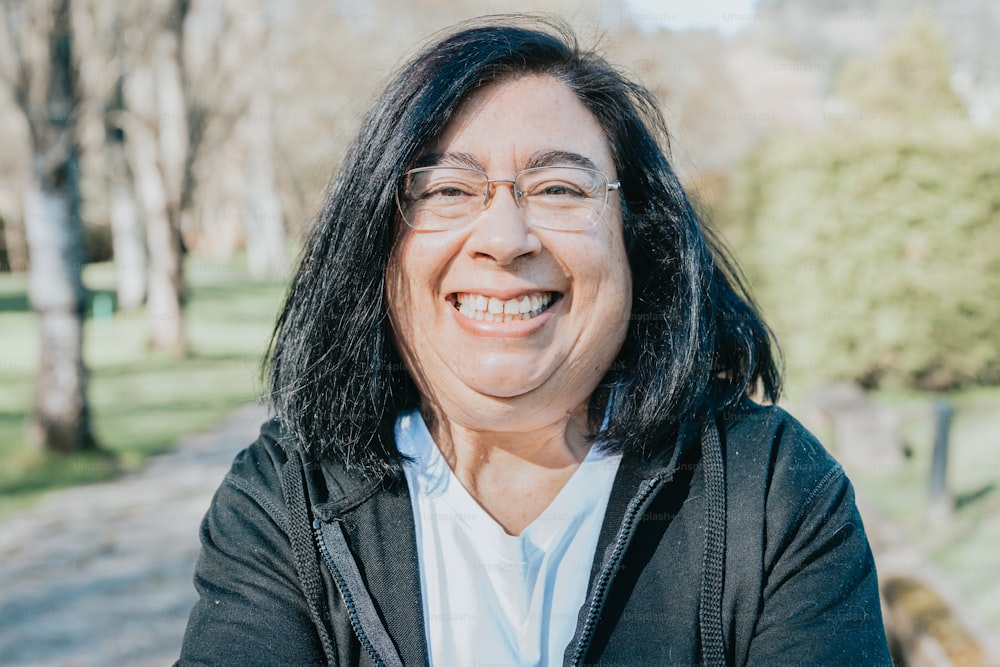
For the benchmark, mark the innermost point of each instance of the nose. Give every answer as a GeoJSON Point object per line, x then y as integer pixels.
{"type": "Point", "coordinates": [501, 232]}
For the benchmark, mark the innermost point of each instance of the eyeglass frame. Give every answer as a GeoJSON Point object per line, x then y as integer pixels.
{"type": "Point", "coordinates": [612, 186]}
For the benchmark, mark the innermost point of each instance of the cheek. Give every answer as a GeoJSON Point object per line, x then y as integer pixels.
{"type": "Point", "coordinates": [423, 259]}
{"type": "Point", "coordinates": [407, 274]}
{"type": "Point", "coordinates": [604, 273]}
{"type": "Point", "coordinates": [417, 266]}
{"type": "Point", "coordinates": [408, 326]}
{"type": "Point", "coordinates": [613, 294]}
{"type": "Point", "coordinates": [399, 293]}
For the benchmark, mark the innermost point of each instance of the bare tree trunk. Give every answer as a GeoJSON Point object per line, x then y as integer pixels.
{"type": "Point", "coordinates": [221, 235]}
{"type": "Point", "coordinates": [164, 295]}
{"type": "Point", "coordinates": [59, 421]}
{"type": "Point", "coordinates": [167, 295]}
{"type": "Point", "coordinates": [15, 243]}
{"type": "Point", "coordinates": [171, 111]}
{"type": "Point", "coordinates": [127, 236]}
{"type": "Point", "coordinates": [163, 303]}
{"type": "Point", "coordinates": [264, 223]}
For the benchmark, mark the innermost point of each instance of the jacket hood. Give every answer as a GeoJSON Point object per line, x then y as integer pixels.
{"type": "Point", "coordinates": [345, 488]}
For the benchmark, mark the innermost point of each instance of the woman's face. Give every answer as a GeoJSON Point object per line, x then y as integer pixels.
{"type": "Point", "coordinates": [521, 374]}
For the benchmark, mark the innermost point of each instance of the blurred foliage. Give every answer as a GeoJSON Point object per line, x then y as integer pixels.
{"type": "Point", "coordinates": [912, 75]}
{"type": "Point", "coordinates": [874, 245]}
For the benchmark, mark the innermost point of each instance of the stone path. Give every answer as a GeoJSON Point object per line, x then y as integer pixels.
{"type": "Point", "coordinates": [101, 574]}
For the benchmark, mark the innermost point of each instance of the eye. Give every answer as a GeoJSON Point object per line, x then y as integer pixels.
{"type": "Point", "coordinates": [559, 186]}
{"type": "Point", "coordinates": [447, 191]}
{"type": "Point", "coordinates": [445, 186]}
{"type": "Point", "coordinates": [555, 189]}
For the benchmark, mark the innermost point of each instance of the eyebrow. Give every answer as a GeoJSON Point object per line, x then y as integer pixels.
{"type": "Point", "coordinates": [564, 158]}
{"type": "Point", "coordinates": [542, 159]}
{"type": "Point", "coordinates": [449, 159]}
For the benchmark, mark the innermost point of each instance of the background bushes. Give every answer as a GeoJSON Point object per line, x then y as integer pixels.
{"type": "Point", "coordinates": [874, 249]}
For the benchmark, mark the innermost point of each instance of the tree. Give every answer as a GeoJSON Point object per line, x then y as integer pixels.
{"type": "Point", "coordinates": [873, 245]}
{"type": "Point", "coordinates": [39, 68]}
{"type": "Point", "coordinates": [182, 99]}
{"type": "Point", "coordinates": [157, 141]}
{"type": "Point", "coordinates": [910, 81]}
{"type": "Point", "coordinates": [127, 233]}
{"type": "Point", "coordinates": [101, 29]}
{"type": "Point", "coordinates": [264, 219]}
{"type": "Point", "coordinates": [13, 242]}
{"type": "Point", "coordinates": [230, 55]}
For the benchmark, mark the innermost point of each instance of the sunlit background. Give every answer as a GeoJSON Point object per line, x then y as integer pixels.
{"type": "Point", "coordinates": [159, 172]}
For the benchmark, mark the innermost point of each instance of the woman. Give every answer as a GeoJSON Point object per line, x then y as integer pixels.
{"type": "Point", "coordinates": [511, 382]}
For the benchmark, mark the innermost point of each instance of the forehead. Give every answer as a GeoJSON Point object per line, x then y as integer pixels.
{"type": "Point", "coordinates": [516, 119]}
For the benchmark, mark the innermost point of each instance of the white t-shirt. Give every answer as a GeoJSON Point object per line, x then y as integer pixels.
{"type": "Point", "coordinates": [491, 598]}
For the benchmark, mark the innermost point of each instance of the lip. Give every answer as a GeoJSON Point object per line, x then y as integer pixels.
{"type": "Point", "coordinates": [515, 329]}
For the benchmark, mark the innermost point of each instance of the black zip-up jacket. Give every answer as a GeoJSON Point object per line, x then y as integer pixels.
{"type": "Point", "coordinates": [743, 546]}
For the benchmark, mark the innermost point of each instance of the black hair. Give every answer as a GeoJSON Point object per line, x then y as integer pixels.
{"type": "Point", "coordinates": [695, 344]}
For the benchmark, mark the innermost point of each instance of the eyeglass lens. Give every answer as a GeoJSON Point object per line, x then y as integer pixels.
{"type": "Point", "coordinates": [564, 198]}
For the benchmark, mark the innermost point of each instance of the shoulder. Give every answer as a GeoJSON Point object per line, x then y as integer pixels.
{"type": "Point", "coordinates": [796, 546]}
{"type": "Point", "coordinates": [771, 456]}
{"type": "Point", "coordinates": [768, 436]}
{"type": "Point", "coordinates": [261, 462]}
{"type": "Point", "coordinates": [276, 462]}
{"type": "Point", "coordinates": [255, 474]}
{"type": "Point", "coordinates": [249, 574]}
{"type": "Point", "coordinates": [786, 494]}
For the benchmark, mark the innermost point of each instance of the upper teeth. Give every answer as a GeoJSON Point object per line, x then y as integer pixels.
{"type": "Point", "coordinates": [492, 309]}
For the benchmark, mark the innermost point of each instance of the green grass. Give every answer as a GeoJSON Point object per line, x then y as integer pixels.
{"type": "Point", "coordinates": [141, 401]}
{"type": "Point", "coordinates": [964, 547]}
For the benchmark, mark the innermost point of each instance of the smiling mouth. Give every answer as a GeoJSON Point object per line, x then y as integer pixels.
{"type": "Point", "coordinates": [492, 309]}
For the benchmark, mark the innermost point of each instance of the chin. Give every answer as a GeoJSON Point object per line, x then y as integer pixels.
{"type": "Point", "coordinates": [504, 376]}
{"type": "Point", "coordinates": [517, 413]}
{"type": "Point", "coordinates": [505, 389]}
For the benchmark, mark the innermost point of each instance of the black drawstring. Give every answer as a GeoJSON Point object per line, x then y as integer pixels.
{"type": "Point", "coordinates": [710, 611]}
{"type": "Point", "coordinates": [301, 537]}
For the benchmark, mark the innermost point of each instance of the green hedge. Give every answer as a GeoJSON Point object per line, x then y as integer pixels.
{"type": "Point", "coordinates": [874, 249]}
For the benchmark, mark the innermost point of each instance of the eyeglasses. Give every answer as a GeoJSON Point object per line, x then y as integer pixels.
{"type": "Point", "coordinates": [559, 198]}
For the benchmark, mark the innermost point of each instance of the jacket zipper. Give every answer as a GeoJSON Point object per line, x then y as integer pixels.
{"type": "Point", "coordinates": [611, 566]}
{"type": "Point", "coordinates": [345, 593]}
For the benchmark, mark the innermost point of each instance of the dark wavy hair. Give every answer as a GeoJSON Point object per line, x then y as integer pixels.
{"type": "Point", "coordinates": [695, 343]}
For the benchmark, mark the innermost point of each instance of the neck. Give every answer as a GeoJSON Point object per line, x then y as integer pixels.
{"type": "Point", "coordinates": [513, 474]}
